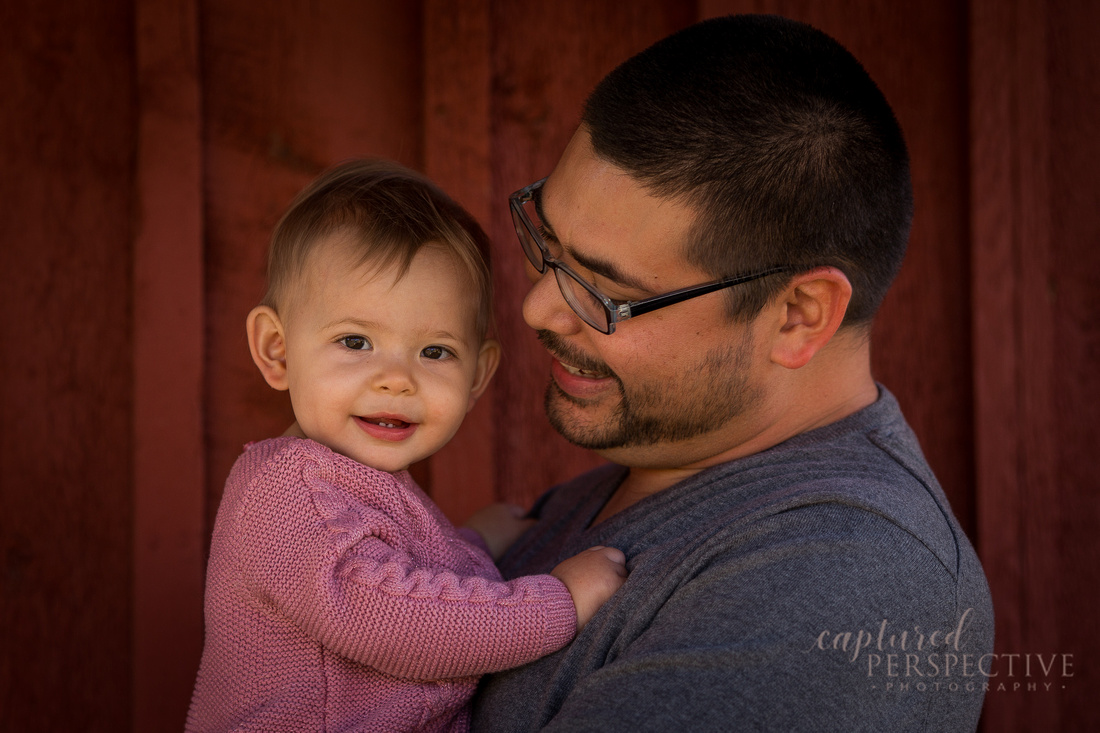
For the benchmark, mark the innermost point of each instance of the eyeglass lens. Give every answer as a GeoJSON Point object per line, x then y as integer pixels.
{"type": "Point", "coordinates": [583, 302]}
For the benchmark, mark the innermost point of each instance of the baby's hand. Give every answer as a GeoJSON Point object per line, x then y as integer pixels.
{"type": "Point", "coordinates": [592, 577]}
{"type": "Point", "coordinates": [499, 525]}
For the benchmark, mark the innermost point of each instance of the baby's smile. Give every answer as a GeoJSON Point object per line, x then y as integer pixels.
{"type": "Point", "coordinates": [391, 428]}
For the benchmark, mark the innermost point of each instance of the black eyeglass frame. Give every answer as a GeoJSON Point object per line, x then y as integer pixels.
{"type": "Point", "coordinates": [615, 312]}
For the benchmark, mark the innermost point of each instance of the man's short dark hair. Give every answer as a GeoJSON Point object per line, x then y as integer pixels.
{"type": "Point", "coordinates": [782, 142]}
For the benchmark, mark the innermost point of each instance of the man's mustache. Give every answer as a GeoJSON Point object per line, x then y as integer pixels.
{"type": "Point", "coordinates": [571, 356]}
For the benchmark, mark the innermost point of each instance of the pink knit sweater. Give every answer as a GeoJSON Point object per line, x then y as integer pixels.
{"type": "Point", "coordinates": [339, 598]}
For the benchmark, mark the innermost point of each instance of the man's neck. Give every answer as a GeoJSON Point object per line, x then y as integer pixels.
{"type": "Point", "coordinates": [820, 394]}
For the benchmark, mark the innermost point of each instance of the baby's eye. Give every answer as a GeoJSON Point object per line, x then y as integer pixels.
{"type": "Point", "coordinates": [356, 343]}
{"type": "Point", "coordinates": [436, 352]}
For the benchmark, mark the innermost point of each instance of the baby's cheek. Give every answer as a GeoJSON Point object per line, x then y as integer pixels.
{"type": "Point", "coordinates": [450, 409]}
{"type": "Point", "coordinates": [312, 425]}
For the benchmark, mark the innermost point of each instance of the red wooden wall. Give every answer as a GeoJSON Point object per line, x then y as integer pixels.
{"type": "Point", "coordinates": [148, 146]}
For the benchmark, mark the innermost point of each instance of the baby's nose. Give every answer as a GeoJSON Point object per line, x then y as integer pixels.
{"type": "Point", "coordinates": [394, 377]}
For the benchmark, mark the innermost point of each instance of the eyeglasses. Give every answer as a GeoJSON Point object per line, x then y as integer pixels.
{"type": "Point", "coordinates": [593, 307]}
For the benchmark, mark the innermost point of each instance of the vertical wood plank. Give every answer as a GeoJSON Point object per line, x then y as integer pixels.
{"type": "Point", "coordinates": [1071, 551]}
{"type": "Point", "coordinates": [1029, 124]}
{"type": "Point", "coordinates": [169, 476]}
{"type": "Point", "coordinates": [999, 496]}
{"type": "Point", "coordinates": [66, 132]}
{"type": "Point", "coordinates": [997, 199]}
{"type": "Point", "coordinates": [457, 136]}
{"type": "Point", "coordinates": [1034, 103]}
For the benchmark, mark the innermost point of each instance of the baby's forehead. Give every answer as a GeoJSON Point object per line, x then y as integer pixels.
{"type": "Point", "coordinates": [337, 262]}
{"type": "Point", "coordinates": [346, 254]}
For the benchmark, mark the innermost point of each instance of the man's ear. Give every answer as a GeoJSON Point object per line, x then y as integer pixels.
{"type": "Point", "coordinates": [267, 342]}
{"type": "Point", "coordinates": [813, 307]}
{"type": "Point", "coordinates": [488, 359]}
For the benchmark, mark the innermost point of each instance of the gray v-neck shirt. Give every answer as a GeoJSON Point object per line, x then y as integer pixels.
{"type": "Point", "coordinates": [821, 585]}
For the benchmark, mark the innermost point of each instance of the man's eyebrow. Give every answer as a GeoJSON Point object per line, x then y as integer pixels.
{"type": "Point", "coordinates": [609, 271]}
{"type": "Point", "coordinates": [547, 230]}
{"type": "Point", "coordinates": [603, 268]}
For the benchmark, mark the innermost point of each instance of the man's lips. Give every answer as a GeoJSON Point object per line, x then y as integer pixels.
{"type": "Point", "coordinates": [580, 371]}
{"type": "Point", "coordinates": [572, 360]}
{"type": "Point", "coordinates": [393, 428]}
{"type": "Point", "coordinates": [578, 382]}
{"type": "Point", "coordinates": [574, 373]}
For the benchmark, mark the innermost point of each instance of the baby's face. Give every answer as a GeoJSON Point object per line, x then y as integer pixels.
{"type": "Point", "coordinates": [380, 369]}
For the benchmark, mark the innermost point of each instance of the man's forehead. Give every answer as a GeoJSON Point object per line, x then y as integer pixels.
{"type": "Point", "coordinates": [608, 267]}
{"type": "Point", "coordinates": [610, 223]}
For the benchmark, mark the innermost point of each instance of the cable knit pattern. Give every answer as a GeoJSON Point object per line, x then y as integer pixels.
{"type": "Point", "coordinates": [339, 598]}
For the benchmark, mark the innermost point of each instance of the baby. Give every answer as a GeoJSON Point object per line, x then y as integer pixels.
{"type": "Point", "coordinates": [338, 596]}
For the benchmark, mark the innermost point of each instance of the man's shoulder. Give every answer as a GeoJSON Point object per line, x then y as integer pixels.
{"type": "Point", "coordinates": [870, 464]}
{"type": "Point", "coordinates": [871, 457]}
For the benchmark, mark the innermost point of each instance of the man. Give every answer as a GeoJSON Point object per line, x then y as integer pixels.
{"type": "Point", "coordinates": [793, 563]}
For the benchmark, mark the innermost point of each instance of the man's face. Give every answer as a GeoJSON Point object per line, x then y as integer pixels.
{"type": "Point", "coordinates": [666, 386]}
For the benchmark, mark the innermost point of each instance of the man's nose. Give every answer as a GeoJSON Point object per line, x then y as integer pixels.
{"type": "Point", "coordinates": [393, 376]}
{"type": "Point", "coordinates": [544, 307]}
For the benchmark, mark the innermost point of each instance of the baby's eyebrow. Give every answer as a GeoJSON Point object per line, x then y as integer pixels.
{"type": "Point", "coordinates": [603, 268]}
{"type": "Point", "coordinates": [354, 322]}
{"type": "Point", "coordinates": [443, 336]}
{"type": "Point", "coordinates": [364, 325]}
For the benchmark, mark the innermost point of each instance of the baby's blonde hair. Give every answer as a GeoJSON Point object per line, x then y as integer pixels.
{"type": "Point", "coordinates": [388, 212]}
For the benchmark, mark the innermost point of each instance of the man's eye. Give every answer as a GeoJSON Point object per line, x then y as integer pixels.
{"type": "Point", "coordinates": [549, 241]}
{"type": "Point", "coordinates": [435, 352]}
{"type": "Point", "coordinates": [356, 343]}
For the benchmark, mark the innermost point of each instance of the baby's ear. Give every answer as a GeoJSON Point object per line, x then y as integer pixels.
{"type": "Point", "coordinates": [488, 359]}
{"type": "Point", "coordinates": [267, 342]}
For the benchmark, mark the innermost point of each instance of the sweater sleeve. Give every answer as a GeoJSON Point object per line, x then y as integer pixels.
{"type": "Point", "coordinates": [475, 541]}
{"type": "Point", "coordinates": [348, 574]}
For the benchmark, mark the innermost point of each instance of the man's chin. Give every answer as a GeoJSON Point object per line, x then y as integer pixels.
{"type": "Point", "coordinates": [582, 423]}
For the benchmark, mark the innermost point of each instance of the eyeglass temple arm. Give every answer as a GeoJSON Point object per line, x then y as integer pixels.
{"type": "Point", "coordinates": [639, 307]}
